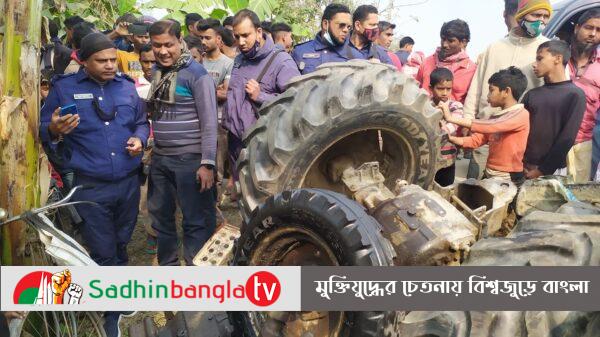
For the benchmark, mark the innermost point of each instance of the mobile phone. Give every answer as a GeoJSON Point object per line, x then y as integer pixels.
{"type": "Point", "coordinates": [68, 109]}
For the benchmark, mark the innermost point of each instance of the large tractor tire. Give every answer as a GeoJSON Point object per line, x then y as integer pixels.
{"type": "Point", "coordinates": [358, 110]}
{"type": "Point", "coordinates": [311, 227]}
{"type": "Point", "coordinates": [540, 239]}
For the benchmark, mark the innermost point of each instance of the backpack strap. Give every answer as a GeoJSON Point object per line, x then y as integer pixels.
{"type": "Point", "coordinates": [268, 65]}
{"type": "Point", "coordinates": [255, 106]}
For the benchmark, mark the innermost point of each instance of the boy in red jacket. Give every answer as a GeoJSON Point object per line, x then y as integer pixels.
{"type": "Point", "coordinates": [506, 133]}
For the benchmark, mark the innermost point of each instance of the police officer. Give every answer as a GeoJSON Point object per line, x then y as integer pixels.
{"type": "Point", "coordinates": [330, 44]}
{"type": "Point", "coordinates": [102, 123]}
{"type": "Point", "coordinates": [365, 32]}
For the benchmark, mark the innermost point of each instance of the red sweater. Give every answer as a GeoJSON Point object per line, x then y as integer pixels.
{"type": "Point", "coordinates": [461, 67]}
{"type": "Point", "coordinates": [507, 136]}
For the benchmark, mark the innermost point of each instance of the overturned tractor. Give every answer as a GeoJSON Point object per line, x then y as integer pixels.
{"type": "Point", "coordinates": [338, 171]}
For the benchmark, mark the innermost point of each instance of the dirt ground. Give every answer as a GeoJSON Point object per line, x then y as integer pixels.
{"type": "Point", "coordinates": [139, 257]}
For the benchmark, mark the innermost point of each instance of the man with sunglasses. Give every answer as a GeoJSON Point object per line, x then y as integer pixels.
{"type": "Point", "coordinates": [330, 44]}
{"type": "Point", "coordinates": [101, 121]}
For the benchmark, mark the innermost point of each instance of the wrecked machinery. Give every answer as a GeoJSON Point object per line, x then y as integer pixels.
{"type": "Point", "coordinates": [338, 171]}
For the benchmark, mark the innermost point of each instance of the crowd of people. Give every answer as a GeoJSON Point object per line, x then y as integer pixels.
{"type": "Point", "coordinates": [142, 102]}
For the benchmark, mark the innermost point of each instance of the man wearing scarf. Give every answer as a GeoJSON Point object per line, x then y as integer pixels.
{"type": "Point", "coordinates": [455, 36]}
{"type": "Point", "coordinates": [247, 90]}
{"type": "Point", "coordinates": [102, 134]}
{"type": "Point", "coordinates": [518, 49]}
{"type": "Point", "coordinates": [183, 107]}
{"type": "Point", "coordinates": [330, 44]}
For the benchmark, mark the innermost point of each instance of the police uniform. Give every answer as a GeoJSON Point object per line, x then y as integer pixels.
{"type": "Point", "coordinates": [311, 54]}
{"type": "Point", "coordinates": [369, 51]}
{"type": "Point", "coordinates": [95, 150]}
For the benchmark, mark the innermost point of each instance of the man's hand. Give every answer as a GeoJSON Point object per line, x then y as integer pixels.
{"type": "Point", "coordinates": [221, 92]}
{"type": "Point", "coordinates": [134, 146]}
{"type": "Point", "coordinates": [62, 125]}
{"type": "Point", "coordinates": [122, 29]}
{"type": "Point", "coordinates": [253, 89]}
{"type": "Point", "coordinates": [206, 177]}
{"type": "Point", "coordinates": [533, 173]}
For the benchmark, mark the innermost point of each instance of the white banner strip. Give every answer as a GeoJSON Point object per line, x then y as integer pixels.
{"type": "Point", "coordinates": [150, 288]}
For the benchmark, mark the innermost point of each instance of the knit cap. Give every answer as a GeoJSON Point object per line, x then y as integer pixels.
{"type": "Point", "coordinates": [93, 43]}
{"type": "Point", "coordinates": [528, 6]}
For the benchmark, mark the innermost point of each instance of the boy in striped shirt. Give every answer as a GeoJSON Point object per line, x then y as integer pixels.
{"type": "Point", "coordinates": [440, 85]}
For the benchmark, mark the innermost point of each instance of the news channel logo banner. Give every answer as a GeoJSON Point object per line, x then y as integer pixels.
{"type": "Point", "coordinates": [299, 288]}
{"type": "Point", "coordinates": [150, 288]}
{"type": "Point", "coordinates": [450, 288]}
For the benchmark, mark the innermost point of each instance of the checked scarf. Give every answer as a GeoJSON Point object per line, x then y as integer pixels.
{"type": "Point", "coordinates": [164, 82]}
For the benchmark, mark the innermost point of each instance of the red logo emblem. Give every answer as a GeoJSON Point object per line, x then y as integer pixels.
{"type": "Point", "coordinates": [263, 288]}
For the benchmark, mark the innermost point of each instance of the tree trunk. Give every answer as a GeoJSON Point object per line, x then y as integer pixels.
{"type": "Point", "coordinates": [19, 118]}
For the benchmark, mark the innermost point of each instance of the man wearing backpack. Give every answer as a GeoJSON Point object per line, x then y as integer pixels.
{"type": "Point", "coordinates": [260, 72]}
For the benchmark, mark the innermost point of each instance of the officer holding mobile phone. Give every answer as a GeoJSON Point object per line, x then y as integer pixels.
{"type": "Point", "coordinates": [102, 122]}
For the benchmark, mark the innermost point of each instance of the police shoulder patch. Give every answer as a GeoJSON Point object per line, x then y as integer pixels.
{"type": "Point", "coordinates": [125, 77]}
{"type": "Point", "coordinates": [59, 77]}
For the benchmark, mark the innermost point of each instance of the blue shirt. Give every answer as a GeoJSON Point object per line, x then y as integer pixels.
{"type": "Point", "coordinates": [95, 147]}
{"type": "Point", "coordinates": [311, 54]}
{"type": "Point", "coordinates": [370, 51]}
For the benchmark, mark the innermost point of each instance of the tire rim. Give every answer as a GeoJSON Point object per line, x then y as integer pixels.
{"type": "Point", "coordinates": [295, 245]}
{"type": "Point", "coordinates": [391, 149]}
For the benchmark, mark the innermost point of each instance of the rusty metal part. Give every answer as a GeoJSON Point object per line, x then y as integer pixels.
{"type": "Point", "coordinates": [367, 184]}
{"type": "Point", "coordinates": [549, 194]}
{"type": "Point", "coordinates": [424, 228]}
{"type": "Point", "coordinates": [484, 202]}
{"type": "Point", "coordinates": [383, 146]}
{"type": "Point", "coordinates": [218, 250]}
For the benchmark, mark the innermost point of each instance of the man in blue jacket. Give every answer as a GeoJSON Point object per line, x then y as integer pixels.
{"type": "Point", "coordinates": [103, 138]}
{"type": "Point", "coordinates": [366, 31]}
{"type": "Point", "coordinates": [103, 134]}
{"type": "Point", "coordinates": [330, 44]}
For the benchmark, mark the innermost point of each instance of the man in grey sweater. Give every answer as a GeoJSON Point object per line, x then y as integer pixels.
{"type": "Point", "coordinates": [184, 114]}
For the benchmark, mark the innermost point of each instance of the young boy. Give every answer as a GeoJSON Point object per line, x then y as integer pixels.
{"type": "Point", "coordinates": [506, 133]}
{"type": "Point", "coordinates": [556, 110]}
{"type": "Point", "coordinates": [440, 86]}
